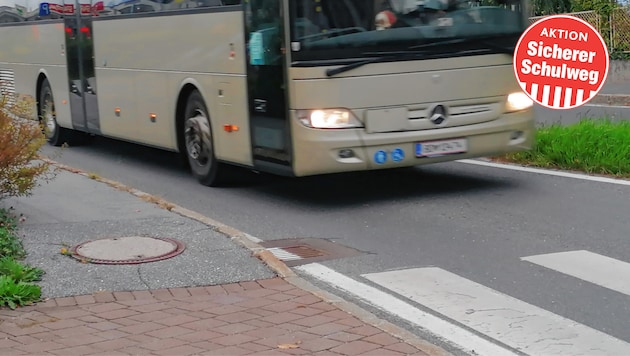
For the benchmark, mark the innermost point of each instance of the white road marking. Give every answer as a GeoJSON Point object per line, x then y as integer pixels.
{"type": "Point", "coordinates": [546, 171]}
{"type": "Point", "coordinates": [450, 332]}
{"type": "Point", "coordinates": [597, 269]}
{"type": "Point", "coordinates": [513, 322]}
{"type": "Point", "coordinates": [608, 106]}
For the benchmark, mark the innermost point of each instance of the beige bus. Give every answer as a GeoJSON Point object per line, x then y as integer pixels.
{"type": "Point", "coordinates": [290, 87]}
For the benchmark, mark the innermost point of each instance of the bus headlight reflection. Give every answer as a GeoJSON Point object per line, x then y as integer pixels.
{"type": "Point", "coordinates": [518, 101]}
{"type": "Point", "coordinates": [328, 119]}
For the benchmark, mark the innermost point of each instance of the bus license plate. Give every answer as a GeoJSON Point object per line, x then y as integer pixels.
{"type": "Point", "coordinates": [442, 147]}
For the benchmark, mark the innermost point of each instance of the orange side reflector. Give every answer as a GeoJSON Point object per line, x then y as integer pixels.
{"type": "Point", "coordinates": [230, 128]}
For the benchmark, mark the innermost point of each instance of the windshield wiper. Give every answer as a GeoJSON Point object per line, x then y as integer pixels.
{"type": "Point", "coordinates": [381, 56]}
{"type": "Point", "coordinates": [334, 71]}
{"type": "Point", "coordinates": [481, 40]}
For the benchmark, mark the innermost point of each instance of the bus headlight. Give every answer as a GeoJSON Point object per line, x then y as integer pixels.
{"type": "Point", "coordinates": [517, 102]}
{"type": "Point", "coordinates": [328, 119]}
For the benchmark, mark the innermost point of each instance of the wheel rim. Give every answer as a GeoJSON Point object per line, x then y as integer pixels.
{"type": "Point", "coordinates": [198, 141]}
{"type": "Point", "coordinates": [48, 113]}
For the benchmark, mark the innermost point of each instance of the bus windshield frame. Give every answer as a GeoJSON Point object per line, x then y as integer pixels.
{"type": "Point", "coordinates": [329, 32]}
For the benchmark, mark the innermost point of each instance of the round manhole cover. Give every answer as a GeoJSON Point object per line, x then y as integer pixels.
{"type": "Point", "coordinates": [127, 250]}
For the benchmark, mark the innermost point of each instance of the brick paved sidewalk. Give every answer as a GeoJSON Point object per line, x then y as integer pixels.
{"type": "Point", "coordinates": [263, 318]}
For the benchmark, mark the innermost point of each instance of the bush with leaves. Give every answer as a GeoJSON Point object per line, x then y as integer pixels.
{"type": "Point", "coordinates": [14, 293]}
{"type": "Point", "coordinates": [19, 272]}
{"type": "Point", "coordinates": [16, 288]}
{"type": "Point", "coordinates": [20, 141]}
{"type": "Point", "coordinates": [20, 170]}
{"type": "Point", "coordinates": [10, 245]}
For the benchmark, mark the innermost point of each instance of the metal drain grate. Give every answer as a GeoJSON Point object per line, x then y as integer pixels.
{"type": "Point", "coordinates": [293, 253]}
{"type": "Point", "coordinates": [299, 251]}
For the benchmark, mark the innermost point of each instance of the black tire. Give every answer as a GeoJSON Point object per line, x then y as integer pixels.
{"type": "Point", "coordinates": [55, 134]}
{"type": "Point", "coordinates": [199, 144]}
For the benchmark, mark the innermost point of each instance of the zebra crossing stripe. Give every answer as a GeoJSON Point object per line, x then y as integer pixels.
{"type": "Point", "coordinates": [447, 331]}
{"type": "Point", "coordinates": [515, 323]}
{"type": "Point", "coordinates": [591, 267]}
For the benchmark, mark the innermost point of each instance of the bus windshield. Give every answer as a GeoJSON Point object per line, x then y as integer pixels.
{"type": "Point", "coordinates": [351, 30]}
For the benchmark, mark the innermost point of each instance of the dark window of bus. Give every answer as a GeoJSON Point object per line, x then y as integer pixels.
{"type": "Point", "coordinates": [142, 6]}
{"type": "Point", "coordinates": [350, 29]}
{"type": "Point", "coordinates": [139, 8]}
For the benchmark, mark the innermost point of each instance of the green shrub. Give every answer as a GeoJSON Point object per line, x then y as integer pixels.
{"type": "Point", "coordinates": [19, 272]}
{"type": "Point", "coordinates": [10, 245]}
{"type": "Point", "coordinates": [14, 294]}
{"type": "Point", "coordinates": [15, 289]}
{"type": "Point", "coordinates": [20, 141]}
{"type": "Point", "coordinates": [6, 220]}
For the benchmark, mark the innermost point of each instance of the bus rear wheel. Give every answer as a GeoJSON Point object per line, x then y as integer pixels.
{"type": "Point", "coordinates": [199, 143]}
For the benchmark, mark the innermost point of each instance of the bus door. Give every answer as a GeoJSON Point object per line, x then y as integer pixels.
{"type": "Point", "coordinates": [266, 80]}
{"type": "Point", "coordinates": [80, 60]}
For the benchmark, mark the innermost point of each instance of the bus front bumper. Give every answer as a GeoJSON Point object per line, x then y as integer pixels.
{"type": "Point", "coordinates": [318, 151]}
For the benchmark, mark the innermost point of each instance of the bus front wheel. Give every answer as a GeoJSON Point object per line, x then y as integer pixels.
{"type": "Point", "coordinates": [199, 143]}
{"type": "Point", "coordinates": [55, 134]}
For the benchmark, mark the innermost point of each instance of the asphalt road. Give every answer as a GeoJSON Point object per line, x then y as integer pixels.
{"type": "Point", "coordinates": [473, 221]}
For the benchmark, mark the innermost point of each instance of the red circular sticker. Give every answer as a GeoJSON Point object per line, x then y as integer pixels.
{"type": "Point", "coordinates": [561, 62]}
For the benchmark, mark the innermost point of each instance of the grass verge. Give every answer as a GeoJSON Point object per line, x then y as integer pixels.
{"type": "Point", "coordinates": [594, 146]}
{"type": "Point", "coordinates": [16, 287]}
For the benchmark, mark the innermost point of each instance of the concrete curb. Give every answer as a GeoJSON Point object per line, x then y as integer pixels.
{"type": "Point", "coordinates": [275, 264]}
{"type": "Point", "coordinates": [611, 100]}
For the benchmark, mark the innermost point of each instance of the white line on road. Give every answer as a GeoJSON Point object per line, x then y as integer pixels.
{"type": "Point", "coordinates": [608, 106]}
{"type": "Point", "coordinates": [591, 267]}
{"type": "Point", "coordinates": [452, 333]}
{"type": "Point", "coordinates": [513, 322]}
{"type": "Point", "coordinates": [546, 171]}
